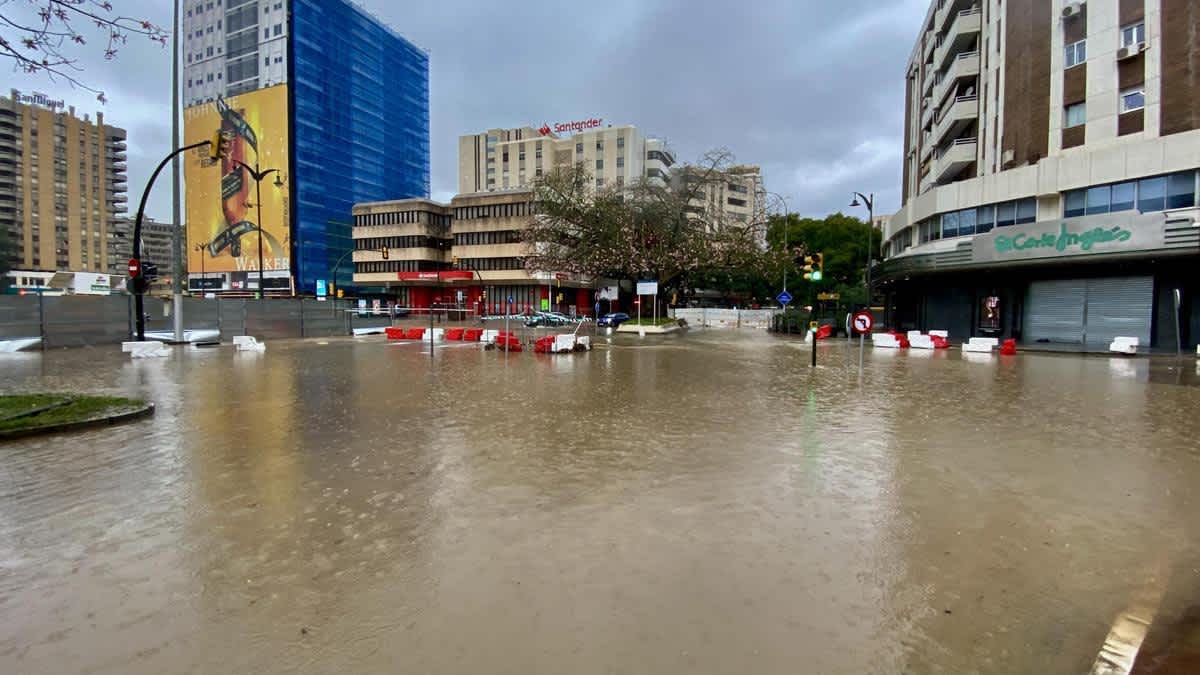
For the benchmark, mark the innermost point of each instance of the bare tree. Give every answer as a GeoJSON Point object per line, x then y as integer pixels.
{"type": "Point", "coordinates": [39, 36]}
{"type": "Point", "coordinates": [650, 228]}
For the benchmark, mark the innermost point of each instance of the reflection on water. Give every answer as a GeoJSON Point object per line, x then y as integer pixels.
{"type": "Point", "coordinates": [705, 503]}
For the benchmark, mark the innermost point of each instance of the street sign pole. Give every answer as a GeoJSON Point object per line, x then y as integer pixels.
{"type": "Point", "coordinates": [862, 322]}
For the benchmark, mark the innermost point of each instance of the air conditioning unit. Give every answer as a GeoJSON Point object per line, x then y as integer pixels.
{"type": "Point", "coordinates": [1071, 9]}
{"type": "Point", "coordinates": [1130, 51]}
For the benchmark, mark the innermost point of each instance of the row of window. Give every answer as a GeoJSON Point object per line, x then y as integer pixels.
{"type": "Point", "coordinates": [488, 264]}
{"type": "Point", "coordinates": [402, 218]}
{"type": "Point", "coordinates": [978, 220]}
{"type": "Point", "coordinates": [1131, 99]}
{"type": "Point", "coordinates": [377, 266]}
{"type": "Point", "coordinates": [1174, 191]}
{"type": "Point", "coordinates": [1131, 36]}
{"type": "Point", "coordinates": [487, 238]}
{"type": "Point", "coordinates": [494, 211]}
{"type": "Point", "coordinates": [402, 241]}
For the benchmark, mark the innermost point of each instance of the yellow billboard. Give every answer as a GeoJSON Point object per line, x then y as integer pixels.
{"type": "Point", "coordinates": [223, 214]}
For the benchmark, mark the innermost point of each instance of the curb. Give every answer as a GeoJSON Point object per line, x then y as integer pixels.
{"type": "Point", "coordinates": [145, 411]}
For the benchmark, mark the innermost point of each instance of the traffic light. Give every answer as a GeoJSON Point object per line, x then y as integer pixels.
{"type": "Point", "coordinates": [809, 268]}
{"type": "Point", "coordinates": [149, 272]}
{"type": "Point", "coordinates": [821, 265]}
{"type": "Point", "coordinates": [216, 147]}
{"type": "Point", "coordinates": [384, 251]}
{"type": "Point", "coordinates": [136, 285]}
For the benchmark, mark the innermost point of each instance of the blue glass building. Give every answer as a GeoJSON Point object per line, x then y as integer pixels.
{"type": "Point", "coordinates": [359, 114]}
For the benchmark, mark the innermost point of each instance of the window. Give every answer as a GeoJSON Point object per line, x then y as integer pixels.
{"type": "Point", "coordinates": [579, 148]}
{"type": "Point", "coordinates": [1122, 197]}
{"type": "Point", "coordinates": [1097, 200]}
{"type": "Point", "coordinates": [1181, 190]}
{"type": "Point", "coordinates": [599, 165]}
{"type": "Point", "coordinates": [1152, 194]}
{"type": "Point", "coordinates": [1133, 34]}
{"type": "Point", "coordinates": [1026, 210]}
{"type": "Point", "coordinates": [1006, 214]}
{"type": "Point", "coordinates": [1076, 115]}
{"type": "Point", "coordinates": [1076, 53]}
{"type": "Point", "coordinates": [620, 162]}
{"type": "Point", "coordinates": [599, 145]}
{"type": "Point", "coordinates": [1133, 99]}
{"type": "Point", "coordinates": [950, 224]}
{"type": "Point", "coordinates": [277, 30]}
{"type": "Point", "coordinates": [966, 222]}
{"type": "Point", "coordinates": [620, 142]}
{"type": "Point", "coordinates": [1073, 206]}
{"type": "Point", "coordinates": [985, 219]}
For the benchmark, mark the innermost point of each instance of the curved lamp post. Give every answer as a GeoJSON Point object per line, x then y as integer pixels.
{"type": "Point", "coordinates": [869, 201]}
{"type": "Point", "coordinates": [258, 177]}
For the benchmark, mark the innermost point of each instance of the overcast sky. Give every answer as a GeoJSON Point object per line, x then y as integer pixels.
{"type": "Point", "coordinates": [811, 90]}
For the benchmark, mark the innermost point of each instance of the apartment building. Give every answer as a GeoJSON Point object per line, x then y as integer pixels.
{"type": "Point", "coordinates": [734, 196]}
{"type": "Point", "coordinates": [1050, 176]}
{"type": "Point", "coordinates": [62, 187]}
{"type": "Point", "coordinates": [468, 254]}
{"type": "Point", "coordinates": [323, 93]}
{"type": "Point", "coordinates": [509, 159]}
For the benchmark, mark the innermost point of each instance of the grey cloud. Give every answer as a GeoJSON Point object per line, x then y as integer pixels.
{"type": "Point", "coordinates": [812, 91]}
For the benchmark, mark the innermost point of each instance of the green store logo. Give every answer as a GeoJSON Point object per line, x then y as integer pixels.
{"type": "Point", "coordinates": [1062, 240]}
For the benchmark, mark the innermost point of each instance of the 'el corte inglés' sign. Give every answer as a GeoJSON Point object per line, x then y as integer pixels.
{"type": "Point", "coordinates": [1089, 235]}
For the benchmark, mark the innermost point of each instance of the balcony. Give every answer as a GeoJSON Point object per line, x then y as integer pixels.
{"type": "Point", "coordinates": [957, 156]}
{"type": "Point", "coordinates": [964, 65]}
{"type": "Point", "coordinates": [955, 117]}
{"type": "Point", "coordinates": [926, 146]}
{"type": "Point", "coordinates": [118, 167]}
{"type": "Point", "coordinates": [929, 81]}
{"type": "Point", "coordinates": [931, 43]}
{"type": "Point", "coordinates": [947, 9]}
{"type": "Point", "coordinates": [927, 114]}
{"type": "Point", "coordinates": [963, 34]}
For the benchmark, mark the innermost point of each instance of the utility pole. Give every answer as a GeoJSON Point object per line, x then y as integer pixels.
{"type": "Point", "coordinates": [177, 252]}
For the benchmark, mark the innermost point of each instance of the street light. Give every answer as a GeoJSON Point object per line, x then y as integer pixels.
{"type": "Point", "coordinates": [258, 177]}
{"type": "Point", "coordinates": [199, 248]}
{"type": "Point", "coordinates": [785, 233]}
{"type": "Point", "coordinates": [870, 203]}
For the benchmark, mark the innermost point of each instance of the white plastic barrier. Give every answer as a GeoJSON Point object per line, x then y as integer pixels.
{"type": "Point", "coordinates": [489, 336]}
{"type": "Point", "coordinates": [1124, 345]}
{"type": "Point", "coordinates": [17, 344]}
{"type": "Point", "coordinates": [919, 341]}
{"type": "Point", "coordinates": [913, 334]}
{"type": "Point", "coordinates": [980, 344]}
{"type": "Point", "coordinates": [944, 334]}
{"type": "Point", "coordinates": [248, 343]}
{"type": "Point", "coordinates": [145, 349]}
{"type": "Point", "coordinates": [886, 340]}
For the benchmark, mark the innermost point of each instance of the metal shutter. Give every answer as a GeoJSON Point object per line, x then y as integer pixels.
{"type": "Point", "coordinates": [1119, 306]}
{"type": "Point", "coordinates": [1054, 311]}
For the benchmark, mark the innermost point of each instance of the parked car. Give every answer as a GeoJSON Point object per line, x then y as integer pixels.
{"type": "Point", "coordinates": [613, 320]}
{"type": "Point", "coordinates": [547, 319]}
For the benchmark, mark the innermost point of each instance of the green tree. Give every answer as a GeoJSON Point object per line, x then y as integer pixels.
{"type": "Point", "coordinates": [841, 238]}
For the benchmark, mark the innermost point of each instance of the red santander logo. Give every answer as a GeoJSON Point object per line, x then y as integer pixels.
{"type": "Point", "coordinates": [544, 130]}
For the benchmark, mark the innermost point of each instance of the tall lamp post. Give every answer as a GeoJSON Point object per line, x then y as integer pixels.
{"type": "Point", "coordinates": [870, 204]}
{"type": "Point", "coordinates": [199, 248]}
{"type": "Point", "coordinates": [258, 177]}
{"type": "Point", "coordinates": [785, 232]}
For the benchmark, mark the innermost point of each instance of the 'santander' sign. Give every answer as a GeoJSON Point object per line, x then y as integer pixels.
{"type": "Point", "coordinates": [568, 127]}
{"type": "Point", "coordinates": [1088, 235]}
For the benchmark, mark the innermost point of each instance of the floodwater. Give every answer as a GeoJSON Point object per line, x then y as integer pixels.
{"type": "Point", "coordinates": [697, 504]}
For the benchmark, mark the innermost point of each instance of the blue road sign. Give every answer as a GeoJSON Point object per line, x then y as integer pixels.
{"type": "Point", "coordinates": [784, 298]}
{"type": "Point", "coordinates": [510, 300]}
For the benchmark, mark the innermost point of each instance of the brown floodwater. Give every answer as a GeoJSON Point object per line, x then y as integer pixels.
{"type": "Point", "coordinates": [697, 504]}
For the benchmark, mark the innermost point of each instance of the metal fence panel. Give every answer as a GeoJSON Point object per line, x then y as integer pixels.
{"type": "Point", "coordinates": [79, 320]}
{"type": "Point", "coordinates": [19, 317]}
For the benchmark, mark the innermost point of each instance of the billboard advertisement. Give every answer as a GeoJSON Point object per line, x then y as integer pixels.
{"type": "Point", "coordinates": [223, 227]}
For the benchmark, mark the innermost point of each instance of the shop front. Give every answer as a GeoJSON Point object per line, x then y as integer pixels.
{"type": "Point", "coordinates": [1075, 283]}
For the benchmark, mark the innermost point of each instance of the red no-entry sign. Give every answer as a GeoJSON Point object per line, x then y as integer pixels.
{"type": "Point", "coordinates": [135, 267]}
{"type": "Point", "coordinates": [862, 322]}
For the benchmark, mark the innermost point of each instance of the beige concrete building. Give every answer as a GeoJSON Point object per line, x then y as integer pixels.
{"type": "Point", "coordinates": [507, 159]}
{"type": "Point", "coordinates": [62, 186]}
{"type": "Point", "coordinates": [468, 254]}
{"type": "Point", "coordinates": [734, 197]}
{"type": "Point", "coordinates": [1051, 173]}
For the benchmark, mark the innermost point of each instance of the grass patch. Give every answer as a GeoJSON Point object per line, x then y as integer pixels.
{"type": "Point", "coordinates": [648, 321]}
{"type": "Point", "coordinates": [50, 409]}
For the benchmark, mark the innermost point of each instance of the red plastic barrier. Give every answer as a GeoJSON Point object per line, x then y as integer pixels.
{"type": "Point", "coordinates": [414, 333]}
{"type": "Point", "coordinates": [472, 334]}
{"type": "Point", "coordinates": [939, 342]}
{"type": "Point", "coordinates": [508, 343]}
{"type": "Point", "coordinates": [824, 332]}
{"type": "Point", "coordinates": [901, 339]}
{"type": "Point", "coordinates": [543, 345]}
{"type": "Point", "coordinates": [454, 333]}
{"type": "Point", "coordinates": [1008, 347]}
{"type": "Point", "coordinates": [394, 333]}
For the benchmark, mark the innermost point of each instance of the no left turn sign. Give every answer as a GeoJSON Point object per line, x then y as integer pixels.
{"type": "Point", "coordinates": [862, 322]}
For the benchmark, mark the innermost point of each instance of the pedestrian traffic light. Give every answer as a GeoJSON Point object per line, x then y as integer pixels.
{"type": "Point", "coordinates": [384, 251]}
{"type": "Point", "coordinates": [216, 147]}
